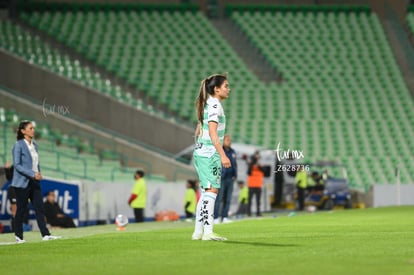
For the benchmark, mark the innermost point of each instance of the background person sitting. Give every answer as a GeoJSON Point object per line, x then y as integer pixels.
{"type": "Point", "coordinates": [54, 214]}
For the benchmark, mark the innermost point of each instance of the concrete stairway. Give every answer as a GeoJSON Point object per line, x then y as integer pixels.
{"type": "Point", "coordinates": [244, 48]}
{"type": "Point", "coordinates": [399, 38]}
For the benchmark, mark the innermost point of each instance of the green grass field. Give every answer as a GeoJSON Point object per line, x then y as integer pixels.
{"type": "Point", "coordinates": [360, 241]}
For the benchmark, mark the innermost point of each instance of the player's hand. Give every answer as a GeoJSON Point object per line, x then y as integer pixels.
{"type": "Point", "coordinates": [225, 162]}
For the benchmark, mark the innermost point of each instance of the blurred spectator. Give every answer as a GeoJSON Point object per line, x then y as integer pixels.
{"type": "Point", "coordinates": [8, 170]}
{"type": "Point", "coordinates": [301, 180]}
{"type": "Point", "coordinates": [255, 182]}
{"type": "Point", "coordinates": [138, 198]}
{"type": "Point", "coordinates": [278, 184]}
{"type": "Point", "coordinates": [54, 214]}
{"type": "Point", "coordinates": [197, 189]}
{"type": "Point", "coordinates": [318, 183]}
{"type": "Point", "coordinates": [228, 176]}
{"type": "Point", "coordinates": [11, 196]}
{"type": "Point", "coordinates": [190, 200]}
{"type": "Point", "coordinates": [243, 199]}
{"type": "Point", "coordinates": [311, 184]}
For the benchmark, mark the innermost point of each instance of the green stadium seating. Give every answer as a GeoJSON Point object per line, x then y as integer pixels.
{"type": "Point", "coordinates": [357, 96]}
{"type": "Point", "coordinates": [20, 42]}
{"type": "Point", "coordinates": [159, 52]}
{"type": "Point", "coordinates": [60, 155]}
{"type": "Point", "coordinates": [342, 96]}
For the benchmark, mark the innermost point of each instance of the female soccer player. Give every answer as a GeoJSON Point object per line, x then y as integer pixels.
{"type": "Point", "coordinates": [209, 155]}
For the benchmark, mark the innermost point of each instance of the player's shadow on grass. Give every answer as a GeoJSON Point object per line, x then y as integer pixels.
{"type": "Point", "coordinates": [260, 244]}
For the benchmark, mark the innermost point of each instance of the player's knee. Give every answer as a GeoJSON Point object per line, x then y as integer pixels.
{"type": "Point", "coordinates": [212, 190]}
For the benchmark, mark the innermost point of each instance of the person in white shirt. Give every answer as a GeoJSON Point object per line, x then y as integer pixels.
{"type": "Point", "coordinates": [209, 155]}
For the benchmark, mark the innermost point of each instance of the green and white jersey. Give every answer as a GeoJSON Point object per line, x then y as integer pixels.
{"type": "Point", "coordinates": [213, 111]}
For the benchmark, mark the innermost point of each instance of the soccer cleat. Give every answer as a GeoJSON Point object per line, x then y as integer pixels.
{"type": "Point", "coordinates": [50, 237]}
{"type": "Point", "coordinates": [213, 237]}
{"type": "Point", "coordinates": [18, 240]}
{"type": "Point", "coordinates": [227, 220]}
{"type": "Point", "coordinates": [196, 237]}
{"type": "Point", "coordinates": [217, 221]}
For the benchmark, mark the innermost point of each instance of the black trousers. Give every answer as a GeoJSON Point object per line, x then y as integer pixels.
{"type": "Point", "coordinates": [257, 192]}
{"type": "Point", "coordinates": [243, 209]}
{"type": "Point", "coordinates": [25, 218]}
{"type": "Point", "coordinates": [65, 222]}
{"type": "Point", "coordinates": [34, 193]}
{"type": "Point", "coordinates": [139, 214]}
{"type": "Point", "coordinates": [301, 198]}
{"type": "Point", "coordinates": [189, 215]}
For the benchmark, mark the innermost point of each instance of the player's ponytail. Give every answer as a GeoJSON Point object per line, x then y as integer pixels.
{"type": "Point", "coordinates": [201, 101]}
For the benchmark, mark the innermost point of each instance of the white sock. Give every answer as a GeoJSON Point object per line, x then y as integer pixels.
{"type": "Point", "coordinates": [208, 212]}
{"type": "Point", "coordinates": [198, 228]}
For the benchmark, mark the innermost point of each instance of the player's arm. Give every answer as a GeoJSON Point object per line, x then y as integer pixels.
{"type": "Point", "coordinates": [212, 131]}
{"type": "Point", "coordinates": [197, 130]}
